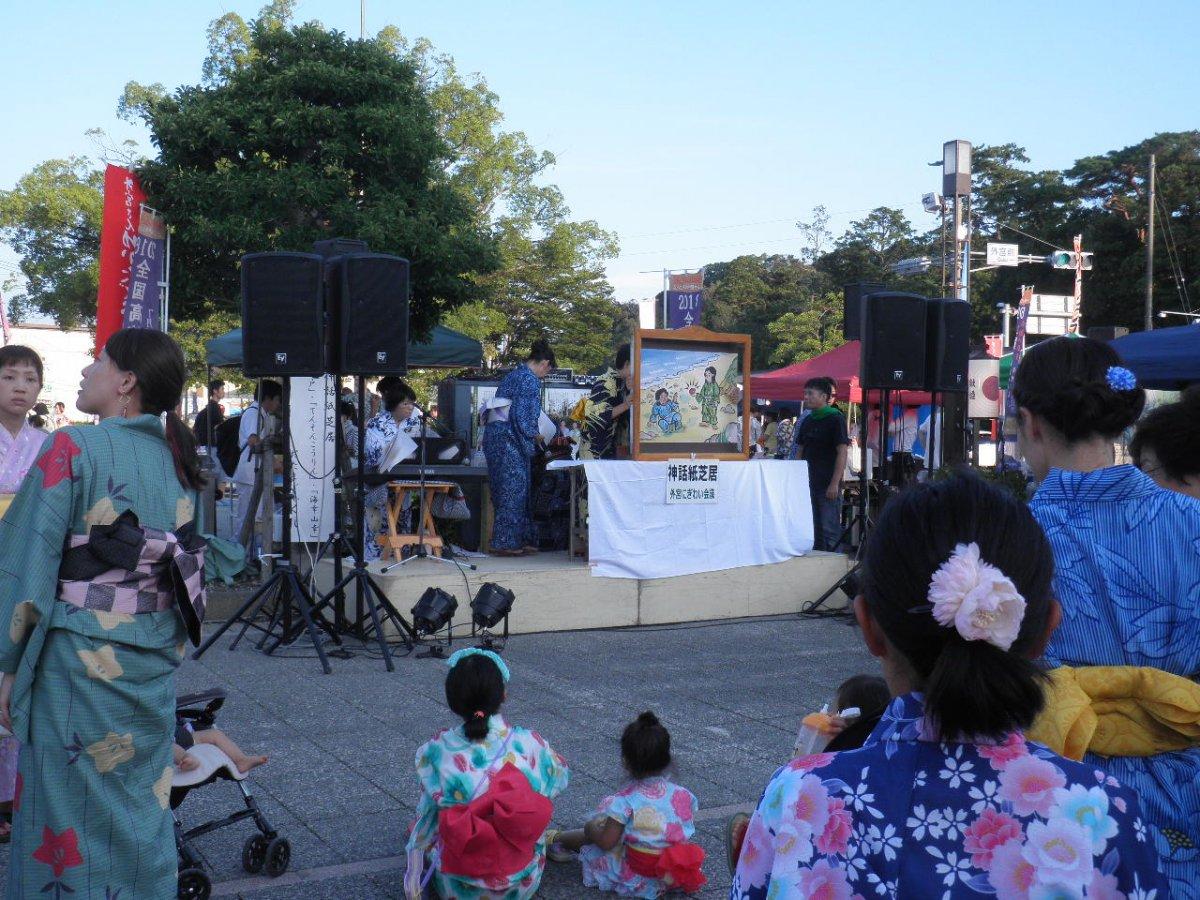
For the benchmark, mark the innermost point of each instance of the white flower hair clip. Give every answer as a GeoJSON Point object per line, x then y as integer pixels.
{"type": "Point", "coordinates": [976, 598]}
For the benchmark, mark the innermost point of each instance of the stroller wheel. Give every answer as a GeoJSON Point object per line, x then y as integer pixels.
{"type": "Point", "coordinates": [194, 884]}
{"type": "Point", "coordinates": [254, 853]}
{"type": "Point", "coordinates": [279, 854]}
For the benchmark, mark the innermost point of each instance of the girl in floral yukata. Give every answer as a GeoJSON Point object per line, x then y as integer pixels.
{"type": "Point", "coordinates": [639, 842]}
{"type": "Point", "coordinates": [20, 442]}
{"type": "Point", "coordinates": [466, 773]}
{"type": "Point", "coordinates": [947, 799]}
{"type": "Point", "coordinates": [89, 659]}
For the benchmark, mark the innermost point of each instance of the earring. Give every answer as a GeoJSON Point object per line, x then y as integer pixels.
{"type": "Point", "coordinates": [124, 406]}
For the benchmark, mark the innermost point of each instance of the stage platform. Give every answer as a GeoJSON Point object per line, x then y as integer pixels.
{"type": "Point", "coordinates": [557, 593]}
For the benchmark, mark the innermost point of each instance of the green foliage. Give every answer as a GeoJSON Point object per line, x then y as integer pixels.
{"type": "Point", "coordinates": [192, 334]}
{"type": "Point", "coordinates": [52, 219]}
{"type": "Point", "coordinates": [299, 135]}
{"type": "Point", "coordinates": [813, 329]}
{"type": "Point", "coordinates": [749, 294]}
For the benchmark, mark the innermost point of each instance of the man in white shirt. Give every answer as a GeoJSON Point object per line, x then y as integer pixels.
{"type": "Point", "coordinates": [257, 425]}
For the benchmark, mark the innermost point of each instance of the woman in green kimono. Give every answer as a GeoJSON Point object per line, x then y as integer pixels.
{"type": "Point", "coordinates": [709, 396]}
{"type": "Point", "coordinates": [89, 660]}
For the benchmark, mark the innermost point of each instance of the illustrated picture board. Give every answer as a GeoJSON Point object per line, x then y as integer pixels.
{"type": "Point", "coordinates": [688, 395]}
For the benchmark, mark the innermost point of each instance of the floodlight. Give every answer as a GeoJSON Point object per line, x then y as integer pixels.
{"type": "Point", "coordinates": [492, 604]}
{"type": "Point", "coordinates": [434, 611]}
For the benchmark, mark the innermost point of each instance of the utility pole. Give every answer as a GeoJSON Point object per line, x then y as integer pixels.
{"type": "Point", "coordinates": [1149, 324]}
{"type": "Point", "coordinates": [362, 20]}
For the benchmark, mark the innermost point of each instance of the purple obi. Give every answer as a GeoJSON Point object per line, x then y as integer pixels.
{"type": "Point", "coordinates": [125, 567]}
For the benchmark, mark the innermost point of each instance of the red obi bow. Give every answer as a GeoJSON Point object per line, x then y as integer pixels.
{"type": "Point", "coordinates": [677, 867]}
{"type": "Point", "coordinates": [495, 834]}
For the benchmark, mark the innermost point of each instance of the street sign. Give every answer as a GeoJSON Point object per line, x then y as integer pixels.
{"type": "Point", "coordinates": [916, 265]}
{"type": "Point", "coordinates": [1002, 254]}
{"type": "Point", "coordinates": [1051, 314]}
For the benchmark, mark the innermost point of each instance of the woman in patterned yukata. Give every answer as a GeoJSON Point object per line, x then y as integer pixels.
{"type": "Point", "coordinates": [1127, 572]}
{"type": "Point", "coordinates": [947, 798]}
{"type": "Point", "coordinates": [604, 422]}
{"type": "Point", "coordinates": [399, 414]}
{"type": "Point", "coordinates": [709, 396]}
{"type": "Point", "coordinates": [20, 443]}
{"type": "Point", "coordinates": [89, 663]}
{"type": "Point", "coordinates": [509, 442]}
{"type": "Point", "coordinates": [467, 771]}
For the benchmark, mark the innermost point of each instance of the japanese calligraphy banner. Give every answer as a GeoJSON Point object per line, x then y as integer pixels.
{"type": "Point", "coordinates": [685, 281]}
{"type": "Point", "coordinates": [314, 456]}
{"type": "Point", "coordinates": [692, 481]}
{"type": "Point", "coordinates": [143, 302]}
{"type": "Point", "coordinates": [123, 198]}
{"type": "Point", "coordinates": [684, 308]}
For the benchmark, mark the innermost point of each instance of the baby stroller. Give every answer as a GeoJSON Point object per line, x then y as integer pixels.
{"type": "Point", "coordinates": [264, 852]}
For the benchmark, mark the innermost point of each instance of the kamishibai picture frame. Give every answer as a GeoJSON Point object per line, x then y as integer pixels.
{"type": "Point", "coordinates": [687, 396]}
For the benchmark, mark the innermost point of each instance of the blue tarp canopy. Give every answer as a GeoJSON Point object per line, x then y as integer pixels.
{"type": "Point", "coordinates": [445, 349]}
{"type": "Point", "coordinates": [1167, 359]}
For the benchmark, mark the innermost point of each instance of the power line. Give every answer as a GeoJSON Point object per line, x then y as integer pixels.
{"type": "Point", "coordinates": [1030, 236]}
{"type": "Point", "coordinates": [1173, 257]}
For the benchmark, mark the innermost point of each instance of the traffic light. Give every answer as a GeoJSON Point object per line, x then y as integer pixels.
{"type": "Point", "coordinates": [1065, 259]}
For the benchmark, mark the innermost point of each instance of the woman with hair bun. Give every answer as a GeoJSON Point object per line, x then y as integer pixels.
{"type": "Point", "coordinates": [509, 443]}
{"type": "Point", "coordinates": [1127, 562]}
{"type": "Point", "coordinates": [101, 582]}
{"type": "Point", "coordinates": [946, 798]}
{"type": "Point", "coordinates": [486, 791]}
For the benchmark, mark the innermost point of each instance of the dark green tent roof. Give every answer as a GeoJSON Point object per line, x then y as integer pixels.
{"type": "Point", "coordinates": [446, 349]}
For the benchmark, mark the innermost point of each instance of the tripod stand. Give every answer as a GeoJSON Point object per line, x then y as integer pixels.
{"type": "Point", "coordinates": [284, 587]}
{"type": "Point", "coordinates": [370, 602]}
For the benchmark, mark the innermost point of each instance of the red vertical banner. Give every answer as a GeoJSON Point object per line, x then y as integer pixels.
{"type": "Point", "coordinates": [123, 198]}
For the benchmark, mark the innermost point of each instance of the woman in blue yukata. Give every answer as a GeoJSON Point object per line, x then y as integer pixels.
{"type": "Point", "coordinates": [665, 413]}
{"type": "Point", "coordinates": [509, 443]}
{"type": "Point", "coordinates": [399, 415]}
{"type": "Point", "coordinates": [946, 798]}
{"type": "Point", "coordinates": [1127, 560]}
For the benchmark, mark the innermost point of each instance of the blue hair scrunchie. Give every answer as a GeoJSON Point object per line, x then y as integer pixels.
{"type": "Point", "coordinates": [1120, 378]}
{"type": "Point", "coordinates": [459, 655]}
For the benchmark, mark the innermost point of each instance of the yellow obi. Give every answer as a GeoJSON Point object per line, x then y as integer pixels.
{"type": "Point", "coordinates": [5, 502]}
{"type": "Point", "coordinates": [1118, 711]}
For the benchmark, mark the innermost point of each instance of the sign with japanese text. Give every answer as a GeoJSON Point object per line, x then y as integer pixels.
{"type": "Point", "coordinates": [143, 302]}
{"type": "Point", "coordinates": [683, 308]}
{"type": "Point", "coordinates": [692, 480]}
{"type": "Point", "coordinates": [311, 424]}
{"type": "Point", "coordinates": [686, 281]}
{"type": "Point", "coordinates": [1002, 254]}
{"type": "Point", "coordinates": [983, 389]}
{"type": "Point", "coordinates": [123, 198]}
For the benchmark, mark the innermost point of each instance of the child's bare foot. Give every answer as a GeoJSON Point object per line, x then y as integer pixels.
{"type": "Point", "coordinates": [246, 763]}
{"type": "Point", "coordinates": [187, 763]}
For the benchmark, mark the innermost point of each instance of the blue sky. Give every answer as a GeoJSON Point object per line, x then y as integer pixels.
{"type": "Point", "coordinates": [696, 131]}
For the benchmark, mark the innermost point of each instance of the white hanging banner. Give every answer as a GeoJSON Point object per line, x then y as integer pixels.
{"type": "Point", "coordinates": [311, 421]}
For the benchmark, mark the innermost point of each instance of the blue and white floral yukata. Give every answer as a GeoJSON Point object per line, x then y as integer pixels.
{"type": "Point", "coordinates": [1127, 573]}
{"type": "Point", "coordinates": [906, 816]}
{"type": "Point", "coordinates": [509, 444]}
{"type": "Point", "coordinates": [381, 431]}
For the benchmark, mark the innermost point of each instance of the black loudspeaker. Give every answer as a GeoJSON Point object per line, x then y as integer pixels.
{"type": "Point", "coordinates": [340, 247]}
{"type": "Point", "coordinates": [852, 295]}
{"type": "Point", "coordinates": [370, 312]}
{"type": "Point", "coordinates": [283, 315]}
{"type": "Point", "coordinates": [893, 341]}
{"type": "Point", "coordinates": [948, 345]}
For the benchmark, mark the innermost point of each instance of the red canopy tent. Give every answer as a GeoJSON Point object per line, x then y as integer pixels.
{"type": "Point", "coordinates": [841, 364]}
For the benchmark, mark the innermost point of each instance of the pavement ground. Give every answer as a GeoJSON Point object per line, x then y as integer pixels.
{"type": "Point", "coordinates": [340, 783]}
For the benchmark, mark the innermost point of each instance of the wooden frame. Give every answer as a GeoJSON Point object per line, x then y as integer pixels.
{"type": "Point", "coordinates": [697, 339]}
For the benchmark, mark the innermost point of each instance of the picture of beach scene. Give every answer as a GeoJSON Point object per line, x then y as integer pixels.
{"type": "Point", "coordinates": [689, 396]}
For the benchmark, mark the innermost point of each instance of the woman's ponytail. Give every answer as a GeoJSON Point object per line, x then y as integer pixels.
{"type": "Point", "coordinates": [977, 689]}
{"type": "Point", "coordinates": [183, 452]}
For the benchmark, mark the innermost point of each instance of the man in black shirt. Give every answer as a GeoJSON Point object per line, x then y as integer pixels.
{"type": "Point", "coordinates": [822, 442]}
{"type": "Point", "coordinates": [207, 420]}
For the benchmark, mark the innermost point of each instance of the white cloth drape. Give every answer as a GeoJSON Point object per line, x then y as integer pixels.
{"type": "Point", "coordinates": [763, 515]}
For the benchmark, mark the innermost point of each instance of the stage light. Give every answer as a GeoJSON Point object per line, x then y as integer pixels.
{"type": "Point", "coordinates": [434, 610]}
{"type": "Point", "coordinates": [492, 604]}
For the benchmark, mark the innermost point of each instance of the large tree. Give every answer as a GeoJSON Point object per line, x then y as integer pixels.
{"type": "Point", "coordinates": [300, 134]}
{"type": "Point", "coordinates": [52, 218]}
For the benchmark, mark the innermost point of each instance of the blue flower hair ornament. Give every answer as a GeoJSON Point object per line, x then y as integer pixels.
{"type": "Point", "coordinates": [459, 655]}
{"type": "Point", "coordinates": [1120, 378]}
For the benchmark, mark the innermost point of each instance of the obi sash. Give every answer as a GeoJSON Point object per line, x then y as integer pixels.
{"type": "Point", "coordinates": [125, 567]}
{"type": "Point", "coordinates": [494, 835]}
{"type": "Point", "coordinates": [677, 866]}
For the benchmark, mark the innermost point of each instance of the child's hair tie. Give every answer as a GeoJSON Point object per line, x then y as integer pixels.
{"type": "Point", "coordinates": [1120, 378]}
{"type": "Point", "coordinates": [478, 714]}
{"type": "Point", "coordinates": [976, 599]}
{"type": "Point", "coordinates": [459, 655]}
